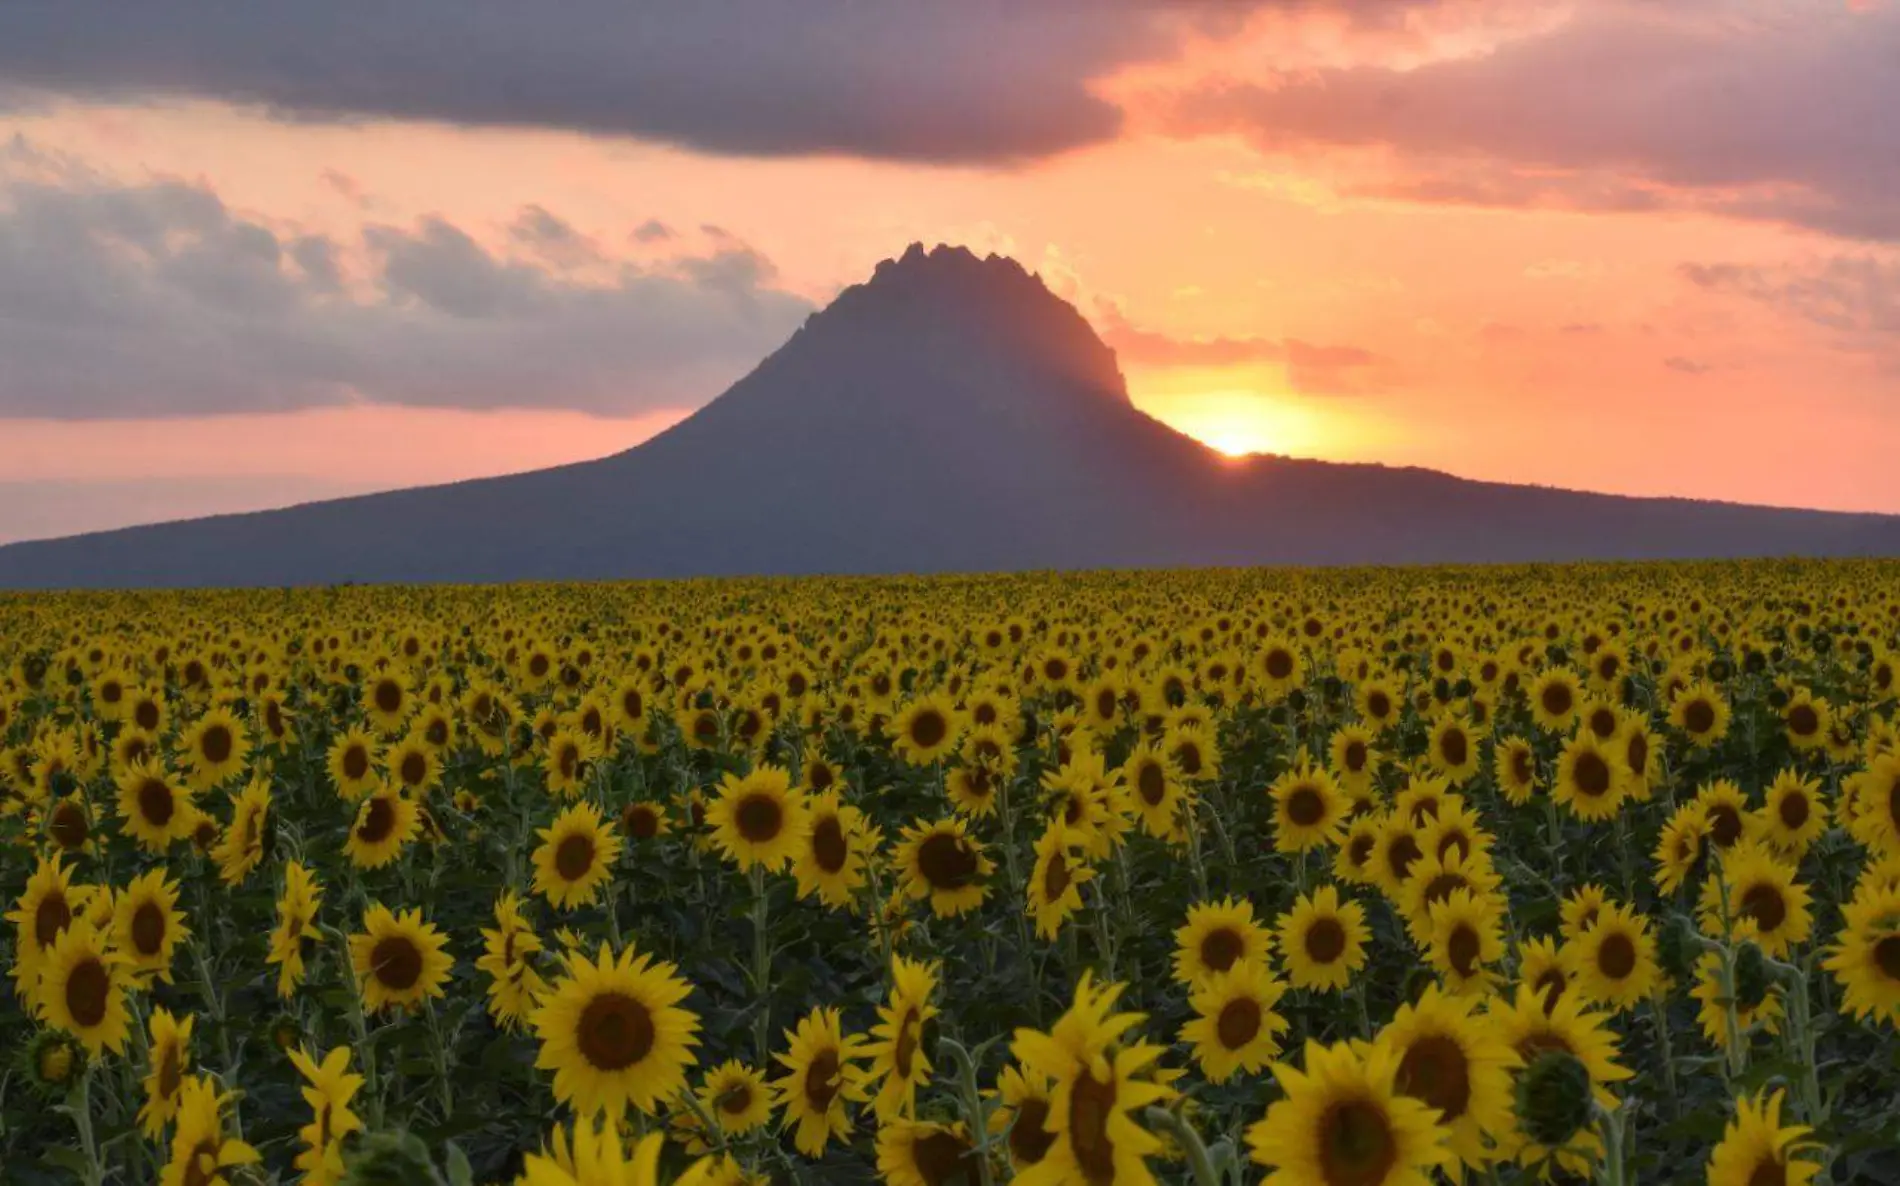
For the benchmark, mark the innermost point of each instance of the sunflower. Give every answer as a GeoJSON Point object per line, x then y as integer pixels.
{"type": "Point", "coordinates": [1875, 822]}
{"type": "Point", "coordinates": [352, 763]}
{"type": "Point", "coordinates": [1353, 759]}
{"type": "Point", "coordinates": [1794, 815]}
{"type": "Point", "coordinates": [200, 1150]}
{"type": "Point", "coordinates": [82, 988]}
{"type": "Point", "coordinates": [1215, 937]}
{"type": "Point", "coordinates": [1343, 1121]}
{"type": "Point", "coordinates": [215, 748]}
{"type": "Point", "coordinates": [1757, 897]}
{"type": "Point", "coordinates": [46, 908]}
{"type": "Point", "coordinates": [575, 857]}
{"type": "Point", "coordinates": [508, 958]}
{"type": "Point", "coordinates": [156, 812]}
{"type": "Point", "coordinates": [1021, 1116]}
{"type": "Point", "coordinates": [386, 701]}
{"type": "Point", "coordinates": [1193, 752]}
{"type": "Point", "coordinates": [69, 823]}
{"type": "Point", "coordinates": [1467, 940]}
{"type": "Point", "coordinates": [1352, 860]}
{"type": "Point", "coordinates": [1701, 713]}
{"type": "Point", "coordinates": [1531, 1029]}
{"type": "Point", "coordinates": [241, 849]}
{"type": "Point", "coordinates": [1807, 720]}
{"type": "Point", "coordinates": [1757, 1148]}
{"type": "Point", "coordinates": [642, 820]}
{"type": "Point", "coordinates": [613, 1033]}
{"type": "Point", "coordinates": [329, 1086]}
{"type": "Point", "coordinates": [1322, 940]}
{"type": "Point", "coordinates": [1616, 958]}
{"type": "Point", "coordinates": [1396, 852]}
{"type": "Point", "coordinates": [1378, 703]}
{"type": "Point", "coordinates": [972, 790]}
{"type": "Point", "coordinates": [1235, 1027]}
{"type": "Point", "coordinates": [925, 730]}
{"type": "Point", "coordinates": [942, 863]}
{"type": "Point", "coordinates": [1308, 809]}
{"type": "Point", "coordinates": [145, 710]}
{"type": "Point", "coordinates": [398, 959]}
{"type": "Point", "coordinates": [759, 819]}
{"type": "Point", "coordinates": [1099, 1091]}
{"type": "Point", "coordinates": [147, 926]}
{"type": "Point", "coordinates": [1055, 882]}
{"type": "Point", "coordinates": [1514, 764]}
{"type": "Point", "coordinates": [1453, 750]}
{"type": "Point", "coordinates": [169, 1059]}
{"type": "Point", "coordinates": [1553, 699]}
{"type": "Point", "coordinates": [821, 1080]}
{"type": "Point", "coordinates": [831, 860]}
{"type": "Point", "coordinates": [898, 1061]}
{"type": "Point", "coordinates": [1684, 842]}
{"type": "Point", "coordinates": [1451, 1060]}
{"type": "Point", "coordinates": [413, 764]}
{"type": "Point", "coordinates": [1757, 999]}
{"type": "Point", "coordinates": [1865, 957]}
{"type": "Point", "coordinates": [385, 821]}
{"type": "Point", "coordinates": [1435, 877]}
{"type": "Point", "coordinates": [915, 1153]}
{"type": "Point", "coordinates": [564, 762]}
{"type": "Point", "coordinates": [736, 1097]}
{"type": "Point", "coordinates": [1592, 780]}
{"type": "Point", "coordinates": [1546, 969]}
{"type": "Point", "coordinates": [296, 926]}
{"type": "Point", "coordinates": [1157, 790]}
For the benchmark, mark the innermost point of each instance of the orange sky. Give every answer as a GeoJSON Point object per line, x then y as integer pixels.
{"type": "Point", "coordinates": [1565, 341]}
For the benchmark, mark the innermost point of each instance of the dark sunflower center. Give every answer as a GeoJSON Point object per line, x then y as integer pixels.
{"type": "Point", "coordinates": [1766, 906]}
{"type": "Point", "coordinates": [904, 1049]}
{"type": "Point", "coordinates": [928, 728]}
{"type": "Point", "coordinates": [1305, 807]}
{"type": "Point", "coordinates": [1356, 1144]}
{"type": "Point", "coordinates": [148, 928]}
{"type": "Point", "coordinates": [569, 761]}
{"type": "Point", "coordinates": [1325, 940]}
{"type": "Point", "coordinates": [820, 777]}
{"type": "Point", "coordinates": [1462, 948]}
{"type": "Point", "coordinates": [614, 1032]}
{"type": "Point", "coordinates": [216, 744]}
{"type": "Point", "coordinates": [388, 696]}
{"type": "Point", "coordinates": [1434, 1070]}
{"type": "Point", "coordinates": [1029, 1136]}
{"type": "Point", "coordinates": [1442, 886]}
{"type": "Point", "coordinates": [939, 1158]}
{"type": "Point", "coordinates": [1379, 706]}
{"type": "Point", "coordinates": [1360, 849]}
{"type": "Point", "coordinates": [68, 825]}
{"type": "Point", "coordinates": [1055, 878]}
{"type": "Point", "coordinates": [1221, 949]}
{"type": "Point", "coordinates": [759, 819]}
{"type": "Point", "coordinates": [379, 820]}
{"type": "Point", "coordinates": [396, 963]}
{"type": "Point", "coordinates": [1556, 699]}
{"type": "Point", "coordinates": [734, 1100]}
{"type": "Point", "coordinates": [1091, 1105]}
{"type": "Point", "coordinates": [1152, 784]}
{"type": "Point", "coordinates": [145, 713]}
{"type": "Point", "coordinates": [1638, 752]}
{"type": "Point", "coordinates": [1238, 1023]}
{"type": "Point", "coordinates": [1793, 810]}
{"type": "Point", "coordinates": [1616, 957]}
{"type": "Point", "coordinates": [1551, 982]}
{"type": "Point", "coordinates": [946, 861]}
{"type": "Point", "coordinates": [573, 857]}
{"type": "Point", "coordinates": [1887, 957]}
{"type": "Point", "coordinates": [1355, 756]}
{"type": "Point", "coordinates": [1455, 747]}
{"type": "Point", "coordinates": [1279, 664]}
{"type": "Point", "coordinates": [1803, 721]}
{"type": "Point", "coordinates": [1698, 716]}
{"type": "Point", "coordinates": [88, 987]}
{"type": "Point", "coordinates": [171, 1074]}
{"type": "Point", "coordinates": [1521, 766]}
{"type": "Point", "coordinates": [415, 768]}
{"type": "Point", "coordinates": [822, 1080]}
{"type": "Point", "coordinates": [355, 763]}
{"type": "Point", "coordinates": [1401, 854]}
{"type": "Point", "coordinates": [1725, 824]}
{"type": "Point", "coordinates": [1592, 774]}
{"type": "Point", "coordinates": [828, 845]}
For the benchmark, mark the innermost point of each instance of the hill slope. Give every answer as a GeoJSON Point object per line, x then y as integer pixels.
{"type": "Point", "coordinates": [948, 415]}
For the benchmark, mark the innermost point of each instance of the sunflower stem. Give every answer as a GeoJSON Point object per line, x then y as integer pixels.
{"type": "Point", "coordinates": [972, 1106]}
{"type": "Point", "coordinates": [359, 1023]}
{"type": "Point", "coordinates": [79, 1103]}
{"type": "Point", "coordinates": [1613, 1169]}
{"type": "Point", "coordinates": [1190, 1142]}
{"type": "Point", "coordinates": [761, 963]}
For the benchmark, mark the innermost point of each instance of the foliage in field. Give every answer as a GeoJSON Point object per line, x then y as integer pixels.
{"type": "Point", "coordinates": [1343, 878]}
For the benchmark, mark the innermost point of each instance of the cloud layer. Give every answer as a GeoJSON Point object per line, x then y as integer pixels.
{"type": "Point", "coordinates": [157, 299]}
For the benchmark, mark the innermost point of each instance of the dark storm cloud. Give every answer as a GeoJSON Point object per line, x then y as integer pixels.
{"type": "Point", "coordinates": [159, 300]}
{"type": "Point", "coordinates": [1780, 112]}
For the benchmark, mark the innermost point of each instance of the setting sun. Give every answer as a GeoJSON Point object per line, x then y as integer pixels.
{"type": "Point", "coordinates": [1237, 421]}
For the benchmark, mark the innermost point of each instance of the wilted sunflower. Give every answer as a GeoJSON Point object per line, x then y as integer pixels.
{"type": "Point", "coordinates": [155, 811]}
{"type": "Point", "coordinates": [398, 959]}
{"type": "Point", "coordinates": [925, 730]}
{"type": "Point", "coordinates": [613, 1033]}
{"type": "Point", "coordinates": [575, 857]}
{"type": "Point", "coordinates": [1450, 1059]}
{"type": "Point", "coordinates": [82, 988]}
{"type": "Point", "coordinates": [1055, 882]}
{"type": "Point", "coordinates": [942, 863]}
{"type": "Point", "coordinates": [759, 819]}
{"type": "Point", "coordinates": [169, 1046]}
{"type": "Point", "coordinates": [147, 925]}
{"type": "Point", "coordinates": [1757, 1148]}
{"type": "Point", "coordinates": [822, 1079]}
{"type": "Point", "coordinates": [1217, 936]}
{"type": "Point", "coordinates": [1341, 1120]}
{"type": "Point", "coordinates": [899, 1064]}
{"type": "Point", "coordinates": [1235, 1027]}
{"type": "Point", "coordinates": [1615, 960]}
{"type": "Point", "coordinates": [736, 1097]}
{"type": "Point", "coordinates": [918, 1153]}
{"type": "Point", "coordinates": [352, 763]}
{"type": "Point", "coordinates": [1322, 940]}
{"type": "Point", "coordinates": [385, 821]}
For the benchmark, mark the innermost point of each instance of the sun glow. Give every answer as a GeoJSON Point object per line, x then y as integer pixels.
{"type": "Point", "coordinates": [1238, 422]}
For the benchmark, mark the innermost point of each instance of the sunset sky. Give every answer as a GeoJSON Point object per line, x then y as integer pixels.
{"type": "Point", "coordinates": [264, 253]}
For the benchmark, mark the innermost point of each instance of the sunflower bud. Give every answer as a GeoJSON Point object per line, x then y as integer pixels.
{"type": "Point", "coordinates": [390, 1159]}
{"type": "Point", "coordinates": [1751, 976]}
{"type": "Point", "coordinates": [1676, 947]}
{"type": "Point", "coordinates": [1553, 1097]}
{"type": "Point", "coordinates": [53, 1060]}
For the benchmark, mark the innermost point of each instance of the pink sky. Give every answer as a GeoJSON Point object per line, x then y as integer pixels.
{"type": "Point", "coordinates": [1453, 238]}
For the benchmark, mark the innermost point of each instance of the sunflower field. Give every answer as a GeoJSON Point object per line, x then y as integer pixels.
{"type": "Point", "coordinates": [1345, 878]}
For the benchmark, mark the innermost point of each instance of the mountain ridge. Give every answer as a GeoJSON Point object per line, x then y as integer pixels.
{"type": "Point", "coordinates": [949, 413]}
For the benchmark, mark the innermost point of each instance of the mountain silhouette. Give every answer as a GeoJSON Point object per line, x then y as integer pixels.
{"type": "Point", "coordinates": [949, 414]}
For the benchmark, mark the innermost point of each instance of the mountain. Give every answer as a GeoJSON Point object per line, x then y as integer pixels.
{"type": "Point", "coordinates": [950, 414]}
